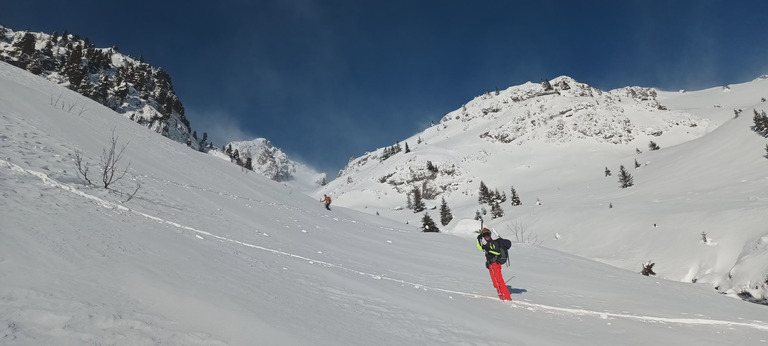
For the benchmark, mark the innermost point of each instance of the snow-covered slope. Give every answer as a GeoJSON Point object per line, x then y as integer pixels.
{"type": "Point", "coordinates": [553, 146]}
{"type": "Point", "coordinates": [214, 256]}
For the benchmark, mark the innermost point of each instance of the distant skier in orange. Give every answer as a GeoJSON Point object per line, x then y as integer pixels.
{"type": "Point", "coordinates": [327, 200]}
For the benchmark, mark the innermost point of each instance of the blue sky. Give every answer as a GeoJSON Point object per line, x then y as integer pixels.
{"type": "Point", "coordinates": [326, 80]}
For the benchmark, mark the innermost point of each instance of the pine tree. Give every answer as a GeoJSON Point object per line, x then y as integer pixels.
{"type": "Point", "coordinates": [607, 172]}
{"type": "Point", "coordinates": [496, 210]}
{"type": "Point", "coordinates": [478, 217]}
{"type": "Point", "coordinates": [418, 203]}
{"type": "Point", "coordinates": [26, 45]}
{"type": "Point", "coordinates": [761, 123]}
{"type": "Point", "coordinates": [34, 66]}
{"type": "Point", "coordinates": [72, 69]}
{"type": "Point", "coordinates": [48, 49]}
{"type": "Point", "coordinates": [203, 141]}
{"type": "Point", "coordinates": [386, 153]}
{"type": "Point", "coordinates": [445, 213]}
{"type": "Point", "coordinates": [120, 89]}
{"type": "Point", "coordinates": [85, 88]}
{"type": "Point", "coordinates": [637, 164]}
{"type": "Point", "coordinates": [653, 146]}
{"type": "Point", "coordinates": [236, 156]}
{"type": "Point", "coordinates": [515, 198]}
{"type": "Point", "coordinates": [407, 150]}
{"type": "Point", "coordinates": [485, 194]}
{"type": "Point", "coordinates": [101, 91]}
{"type": "Point", "coordinates": [497, 197]}
{"type": "Point", "coordinates": [428, 225]}
{"type": "Point", "coordinates": [409, 203]}
{"type": "Point", "coordinates": [625, 179]}
{"type": "Point", "coordinates": [248, 164]}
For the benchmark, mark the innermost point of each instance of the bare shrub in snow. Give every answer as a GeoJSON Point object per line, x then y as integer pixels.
{"type": "Point", "coordinates": [82, 167]}
{"type": "Point", "coordinates": [521, 235]}
{"type": "Point", "coordinates": [110, 172]}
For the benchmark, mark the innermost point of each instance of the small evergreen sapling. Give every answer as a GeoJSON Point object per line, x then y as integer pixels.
{"type": "Point", "coordinates": [496, 210]}
{"type": "Point", "coordinates": [761, 123]}
{"type": "Point", "coordinates": [625, 179]}
{"type": "Point", "coordinates": [428, 225]}
{"type": "Point", "coordinates": [418, 203]}
{"type": "Point", "coordinates": [648, 269]}
{"type": "Point", "coordinates": [445, 213]}
{"type": "Point", "coordinates": [484, 194]}
{"type": "Point", "coordinates": [515, 198]}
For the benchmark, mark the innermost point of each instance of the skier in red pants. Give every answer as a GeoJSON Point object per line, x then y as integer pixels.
{"type": "Point", "coordinates": [495, 255]}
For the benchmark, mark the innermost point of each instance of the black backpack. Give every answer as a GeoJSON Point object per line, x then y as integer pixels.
{"type": "Point", "coordinates": [505, 245]}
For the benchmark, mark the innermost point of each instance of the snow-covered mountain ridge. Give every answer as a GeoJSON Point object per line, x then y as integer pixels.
{"type": "Point", "coordinates": [560, 112]}
{"type": "Point", "coordinates": [133, 88]}
{"type": "Point", "coordinates": [563, 110]}
{"type": "Point", "coordinates": [555, 147]}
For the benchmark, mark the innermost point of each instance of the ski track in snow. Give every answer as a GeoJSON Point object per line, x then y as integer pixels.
{"type": "Point", "coordinates": [759, 325]}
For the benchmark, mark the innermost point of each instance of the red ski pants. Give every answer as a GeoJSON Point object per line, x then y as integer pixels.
{"type": "Point", "coordinates": [498, 281]}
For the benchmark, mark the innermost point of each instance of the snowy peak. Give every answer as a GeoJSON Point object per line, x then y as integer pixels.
{"type": "Point", "coordinates": [563, 110]}
{"type": "Point", "coordinates": [265, 158]}
{"type": "Point", "coordinates": [273, 163]}
{"type": "Point", "coordinates": [558, 111]}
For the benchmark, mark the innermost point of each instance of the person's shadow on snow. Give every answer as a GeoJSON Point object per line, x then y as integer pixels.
{"type": "Point", "coordinates": [516, 290]}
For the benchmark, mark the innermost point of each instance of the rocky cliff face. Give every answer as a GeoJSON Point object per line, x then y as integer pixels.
{"type": "Point", "coordinates": [128, 86]}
